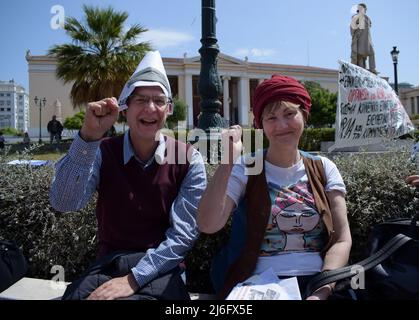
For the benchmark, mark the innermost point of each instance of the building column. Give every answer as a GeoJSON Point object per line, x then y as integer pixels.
{"type": "Point", "coordinates": [226, 98]}
{"type": "Point", "coordinates": [244, 101]}
{"type": "Point", "coordinates": [57, 112]}
{"type": "Point", "coordinates": [189, 98]}
{"type": "Point", "coordinates": [181, 87]}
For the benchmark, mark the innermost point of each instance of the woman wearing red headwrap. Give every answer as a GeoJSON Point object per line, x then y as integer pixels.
{"type": "Point", "coordinates": [292, 216]}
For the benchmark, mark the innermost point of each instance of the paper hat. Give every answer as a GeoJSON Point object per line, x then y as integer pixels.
{"type": "Point", "coordinates": [150, 72]}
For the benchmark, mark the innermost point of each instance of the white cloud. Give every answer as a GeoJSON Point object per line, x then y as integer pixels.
{"type": "Point", "coordinates": [164, 38]}
{"type": "Point", "coordinates": [255, 52]}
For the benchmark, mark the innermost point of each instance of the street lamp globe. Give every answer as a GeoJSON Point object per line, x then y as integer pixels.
{"type": "Point", "coordinates": [39, 102]}
{"type": "Point", "coordinates": [395, 54]}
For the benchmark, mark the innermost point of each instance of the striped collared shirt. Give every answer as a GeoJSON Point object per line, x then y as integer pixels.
{"type": "Point", "coordinates": [77, 178]}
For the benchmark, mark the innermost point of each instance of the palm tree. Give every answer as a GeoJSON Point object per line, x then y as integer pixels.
{"type": "Point", "coordinates": [101, 57]}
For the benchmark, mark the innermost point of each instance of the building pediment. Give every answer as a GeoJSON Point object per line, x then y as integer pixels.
{"type": "Point", "coordinates": [223, 59]}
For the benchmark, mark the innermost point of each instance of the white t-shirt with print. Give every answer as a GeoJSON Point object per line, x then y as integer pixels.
{"type": "Point", "coordinates": [295, 233]}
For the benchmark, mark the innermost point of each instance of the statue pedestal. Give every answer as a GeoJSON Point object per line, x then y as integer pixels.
{"type": "Point", "coordinates": [385, 78]}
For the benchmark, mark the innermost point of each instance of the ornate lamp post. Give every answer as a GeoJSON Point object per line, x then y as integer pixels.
{"type": "Point", "coordinates": [209, 80]}
{"type": "Point", "coordinates": [209, 84]}
{"type": "Point", "coordinates": [395, 56]}
{"type": "Point", "coordinates": [40, 103]}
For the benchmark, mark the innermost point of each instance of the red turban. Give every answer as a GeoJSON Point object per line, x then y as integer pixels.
{"type": "Point", "coordinates": [279, 88]}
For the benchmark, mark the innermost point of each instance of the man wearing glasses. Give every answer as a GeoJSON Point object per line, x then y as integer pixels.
{"type": "Point", "coordinates": [149, 187]}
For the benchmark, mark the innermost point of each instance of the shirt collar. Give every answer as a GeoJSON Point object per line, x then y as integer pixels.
{"type": "Point", "coordinates": [129, 150]}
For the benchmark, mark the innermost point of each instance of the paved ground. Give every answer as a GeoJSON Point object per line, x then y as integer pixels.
{"type": "Point", "coordinates": [38, 289]}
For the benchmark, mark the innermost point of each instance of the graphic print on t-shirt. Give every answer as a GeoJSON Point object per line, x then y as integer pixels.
{"type": "Point", "coordinates": [294, 224]}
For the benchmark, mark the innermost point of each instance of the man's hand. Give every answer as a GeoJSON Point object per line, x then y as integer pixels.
{"type": "Point", "coordinates": [413, 180]}
{"type": "Point", "coordinates": [231, 144]}
{"type": "Point", "coordinates": [116, 288]}
{"type": "Point", "coordinates": [100, 116]}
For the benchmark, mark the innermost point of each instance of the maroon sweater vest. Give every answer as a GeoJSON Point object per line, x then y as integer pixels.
{"type": "Point", "coordinates": [133, 207]}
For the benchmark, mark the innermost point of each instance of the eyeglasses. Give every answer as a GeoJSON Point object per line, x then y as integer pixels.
{"type": "Point", "coordinates": [143, 101]}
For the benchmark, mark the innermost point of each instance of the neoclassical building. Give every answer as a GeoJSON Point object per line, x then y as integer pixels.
{"type": "Point", "coordinates": [410, 99]}
{"type": "Point", "coordinates": [239, 80]}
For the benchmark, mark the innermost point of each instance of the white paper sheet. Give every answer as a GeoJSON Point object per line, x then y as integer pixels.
{"type": "Point", "coordinates": [266, 286]}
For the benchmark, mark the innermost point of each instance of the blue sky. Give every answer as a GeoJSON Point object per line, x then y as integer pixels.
{"type": "Point", "coordinates": [298, 32]}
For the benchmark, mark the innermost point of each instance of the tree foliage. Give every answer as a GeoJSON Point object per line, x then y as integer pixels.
{"type": "Point", "coordinates": [11, 131]}
{"type": "Point", "coordinates": [179, 113]}
{"type": "Point", "coordinates": [102, 55]}
{"type": "Point", "coordinates": [324, 102]}
{"type": "Point", "coordinates": [75, 122]}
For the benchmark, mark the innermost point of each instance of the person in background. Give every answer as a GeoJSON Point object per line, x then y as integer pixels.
{"type": "Point", "coordinates": [26, 140]}
{"type": "Point", "coordinates": [2, 140]}
{"type": "Point", "coordinates": [55, 128]}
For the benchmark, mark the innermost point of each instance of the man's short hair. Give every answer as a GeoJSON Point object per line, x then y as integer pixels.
{"type": "Point", "coordinates": [363, 5]}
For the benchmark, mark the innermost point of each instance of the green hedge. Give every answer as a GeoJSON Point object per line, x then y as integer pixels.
{"type": "Point", "coordinates": [375, 185]}
{"type": "Point", "coordinates": [45, 147]}
{"type": "Point", "coordinates": [312, 138]}
{"type": "Point", "coordinates": [376, 191]}
{"type": "Point", "coordinates": [11, 132]}
{"type": "Point", "coordinates": [47, 237]}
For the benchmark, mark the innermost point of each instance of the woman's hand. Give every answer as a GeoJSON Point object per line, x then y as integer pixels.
{"type": "Point", "coordinates": [322, 293]}
{"type": "Point", "coordinates": [231, 144]}
{"type": "Point", "coordinates": [413, 181]}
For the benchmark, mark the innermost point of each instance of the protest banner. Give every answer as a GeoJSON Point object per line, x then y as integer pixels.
{"type": "Point", "coordinates": [368, 111]}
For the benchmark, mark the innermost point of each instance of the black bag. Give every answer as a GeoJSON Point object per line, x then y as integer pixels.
{"type": "Point", "coordinates": [168, 286]}
{"type": "Point", "coordinates": [391, 268]}
{"type": "Point", "coordinates": [398, 276]}
{"type": "Point", "coordinates": [13, 265]}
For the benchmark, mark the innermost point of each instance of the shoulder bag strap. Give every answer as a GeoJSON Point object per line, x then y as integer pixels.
{"type": "Point", "coordinates": [331, 276]}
